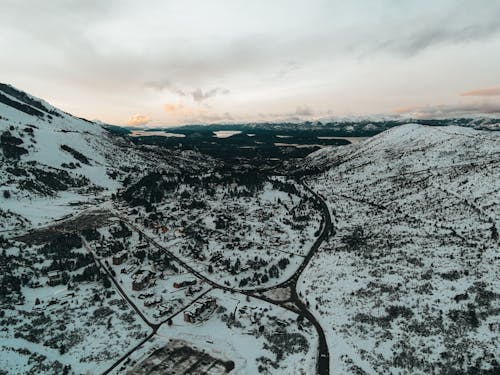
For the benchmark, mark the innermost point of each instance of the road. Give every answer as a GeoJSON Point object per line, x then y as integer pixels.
{"type": "Point", "coordinates": [323, 363]}
{"type": "Point", "coordinates": [154, 326]}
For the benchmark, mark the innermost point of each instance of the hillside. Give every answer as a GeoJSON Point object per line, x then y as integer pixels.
{"type": "Point", "coordinates": [408, 280]}
{"type": "Point", "coordinates": [53, 164]}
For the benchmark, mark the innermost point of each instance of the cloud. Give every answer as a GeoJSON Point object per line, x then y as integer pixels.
{"type": "Point", "coordinates": [214, 117]}
{"type": "Point", "coordinates": [199, 96]}
{"type": "Point", "coordinates": [172, 108]}
{"type": "Point", "coordinates": [138, 119]}
{"type": "Point", "coordinates": [193, 115]}
{"type": "Point", "coordinates": [106, 64]}
{"type": "Point", "coordinates": [457, 110]}
{"type": "Point", "coordinates": [491, 91]}
{"type": "Point", "coordinates": [287, 69]}
{"type": "Point", "coordinates": [165, 84]}
{"type": "Point", "coordinates": [159, 85]}
{"type": "Point", "coordinates": [304, 111]}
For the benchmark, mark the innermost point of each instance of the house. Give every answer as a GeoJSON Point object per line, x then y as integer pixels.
{"type": "Point", "coordinates": [142, 245]}
{"type": "Point", "coordinates": [153, 301]}
{"type": "Point", "coordinates": [55, 278]}
{"type": "Point", "coordinates": [120, 257]}
{"type": "Point", "coordinates": [200, 310]}
{"type": "Point", "coordinates": [184, 283]}
{"type": "Point", "coordinates": [141, 280]}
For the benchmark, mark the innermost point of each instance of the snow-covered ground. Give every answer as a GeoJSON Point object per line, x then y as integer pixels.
{"type": "Point", "coordinates": [52, 162]}
{"type": "Point", "coordinates": [246, 240]}
{"type": "Point", "coordinates": [409, 282]}
{"type": "Point", "coordinates": [83, 327]}
{"type": "Point", "coordinates": [257, 336]}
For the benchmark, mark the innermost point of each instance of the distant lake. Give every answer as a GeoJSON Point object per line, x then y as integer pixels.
{"type": "Point", "coordinates": [142, 133]}
{"type": "Point", "coordinates": [226, 133]}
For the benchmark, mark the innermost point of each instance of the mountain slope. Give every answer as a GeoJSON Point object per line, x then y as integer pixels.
{"type": "Point", "coordinates": [53, 164]}
{"type": "Point", "coordinates": [408, 282]}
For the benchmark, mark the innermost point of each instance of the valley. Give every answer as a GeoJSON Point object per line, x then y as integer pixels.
{"type": "Point", "coordinates": [152, 254]}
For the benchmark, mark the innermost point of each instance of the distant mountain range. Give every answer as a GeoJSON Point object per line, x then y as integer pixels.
{"type": "Point", "coordinates": [340, 128]}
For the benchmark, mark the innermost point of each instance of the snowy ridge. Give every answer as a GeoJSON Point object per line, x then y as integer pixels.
{"type": "Point", "coordinates": [51, 162]}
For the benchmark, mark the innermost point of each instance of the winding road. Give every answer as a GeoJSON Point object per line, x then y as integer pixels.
{"type": "Point", "coordinates": [323, 363]}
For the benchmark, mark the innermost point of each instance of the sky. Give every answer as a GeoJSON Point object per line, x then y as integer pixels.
{"type": "Point", "coordinates": [152, 63]}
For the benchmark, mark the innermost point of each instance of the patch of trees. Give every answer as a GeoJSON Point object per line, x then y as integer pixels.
{"type": "Point", "coordinates": [17, 171]}
{"type": "Point", "coordinates": [356, 239]}
{"type": "Point", "coordinates": [20, 106]}
{"type": "Point", "coordinates": [121, 232]}
{"type": "Point", "coordinates": [70, 165]}
{"type": "Point", "coordinates": [393, 312]}
{"type": "Point", "coordinates": [11, 146]}
{"type": "Point", "coordinates": [89, 273]}
{"type": "Point", "coordinates": [61, 245]}
{"type": "Point", "coordinates": [91, 234]}
{"type": "Point", "coordinates": [283, 262]}
{"type": "Point", "coordinates": [23, 97]}
{"type": "Point", "coordinates": [76, 154]}
{"type": "Point", "coordinates": [46, 181]}
{"type": "Point", "coordinates": [149, 189]}
{"type": "Point", "coordinates": [466, 318]}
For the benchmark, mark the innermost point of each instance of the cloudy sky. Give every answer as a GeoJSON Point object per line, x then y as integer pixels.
{"type": "Point", "coordinates": [175, 62]}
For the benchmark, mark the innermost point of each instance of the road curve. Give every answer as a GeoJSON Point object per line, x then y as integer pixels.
{"type": "Point", "coordinates": [323, 363]}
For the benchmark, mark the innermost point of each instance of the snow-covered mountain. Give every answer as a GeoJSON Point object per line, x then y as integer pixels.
{"type": "Point", "coordinates": [408, 282]}
{"type": "Point", "coordinates": [53, 163]}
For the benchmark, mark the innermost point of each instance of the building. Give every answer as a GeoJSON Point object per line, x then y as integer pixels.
{"type": "Point", "coordinates": [200, 310]}
{"type": "Point", "coordinates": [184, 283]}
{"type": "Point", "coordinates": [55, 278]}
{"type": "Point", "coordinates": [155, 300]}
{"type": "Point", "coordinates": [141, 280]}
{"type": "Point", "coordinates": [120, 257]}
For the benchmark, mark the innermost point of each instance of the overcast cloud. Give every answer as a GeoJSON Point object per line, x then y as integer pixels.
{"type": "Point", "coordinates": [241, 60]}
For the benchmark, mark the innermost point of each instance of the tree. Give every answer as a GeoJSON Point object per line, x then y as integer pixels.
{"type": "Point", "coordinates": [6, 194]}
{"type": "Point", "coordinates": [106, 282]}
{"type": "Point", "coordinates": [141, 254]}
{"type": "Point", "coordinates": [37, 301]}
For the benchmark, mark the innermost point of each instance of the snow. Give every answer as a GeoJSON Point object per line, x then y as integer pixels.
{"type": "Point", "coordinates": [240, 341]}
{"type": "Point", "coordinates": [407, 283]}
{"type": "Point", "coordinates": [427, 200]}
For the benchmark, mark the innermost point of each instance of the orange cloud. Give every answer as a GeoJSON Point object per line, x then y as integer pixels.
{"type": "Point", "coordinates": [138, 119]}
{"type": "Point", "coordinates": [491, 91]}
{"type": "Point", "coordinates": [172, 108]}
